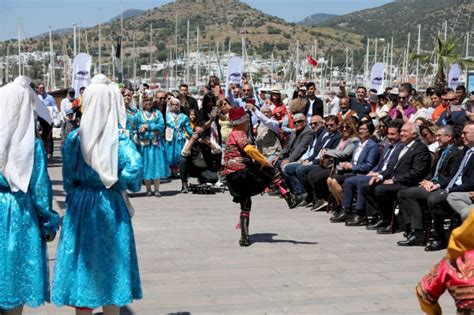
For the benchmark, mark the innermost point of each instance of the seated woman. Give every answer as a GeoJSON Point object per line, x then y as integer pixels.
{"type": "Point", "coordinates": [428, 136]}
{"type": "Point", "coordinates": [343, 152]}
{"type": "Point", "coordinates": [363, 159]}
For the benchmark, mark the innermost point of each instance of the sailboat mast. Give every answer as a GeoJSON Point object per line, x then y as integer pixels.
{"type": "Point", "coordinates": [51, 61]}
{"type": "Point", "coordinates": [418, 52]}
{"type": "Point", "coordinates": [19, 48]}
{"type": "Point", "coordinates": [100, 48]}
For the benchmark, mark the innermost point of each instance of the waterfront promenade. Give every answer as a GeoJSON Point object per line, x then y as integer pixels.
{"type": "Point", "coordinates": [190, 261]}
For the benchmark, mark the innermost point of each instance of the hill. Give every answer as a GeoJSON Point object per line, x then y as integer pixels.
{"type": "Point", "coordinates": [317, 18]}
{"type": "Point", "coordinates": [128, 14]}
{"type": "Point", "coordinates": [224, 22]}
{"type": "Point", "coordinates": [400, 17]}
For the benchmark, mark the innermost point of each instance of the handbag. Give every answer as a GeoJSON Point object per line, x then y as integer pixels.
{"type": "Point", "coordinates": [326, 162]}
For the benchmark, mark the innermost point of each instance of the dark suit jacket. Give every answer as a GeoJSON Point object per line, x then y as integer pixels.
{"type": "Point", "coordinates": [467, 175]}
{"type": "Point", "coordinates": [454, 118]}
{"type": "Point", "coordinates": [318, 107]}
{"type": "Point", "coordinates": [192, 104]}
{"type": "Point", "coordinates": [448, 166]}
{"type": "Point", "coordinates": [392, 160]}
{"type": "Point", "coordinates": [367, 158]}
{"type": "Point", "coordinates": [332, 143]}
{"type": "Point", "coordinates": [412, 167]}
{"type": "Point", "coordinates": [297, 145]}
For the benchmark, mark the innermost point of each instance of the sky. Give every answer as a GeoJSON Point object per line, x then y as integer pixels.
{"type": "Point", "coordinates": [36, 16]}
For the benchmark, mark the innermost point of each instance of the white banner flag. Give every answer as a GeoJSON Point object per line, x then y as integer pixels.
{"type": "Point", "coordinates": [453, 77]}
{"type": "Point", "coordinates": [235, 70]}
{"type": "Point", "coordinates": [81, 72]}
{"type": "Point", "coordinates": [376, 77]}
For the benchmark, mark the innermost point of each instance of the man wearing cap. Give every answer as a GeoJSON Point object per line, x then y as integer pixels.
{"type": "Point", "coordinates": [66, 103]}
{"type": "Point", "coordinates": [247, 171]}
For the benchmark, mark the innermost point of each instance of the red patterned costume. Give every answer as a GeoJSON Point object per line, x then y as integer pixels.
{"type": "Point", "coordinates": [247, 171]}
{"type": "Point", "coordinates": [454, 272]}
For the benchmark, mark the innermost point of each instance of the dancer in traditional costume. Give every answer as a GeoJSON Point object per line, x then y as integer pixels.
{"type": "Point", "coordinates": [247, 171]}
{"type": "Point", "coordinates": [96, 261]}
{"type": "Point", "coordinates": [27, 220]}
{"type": "Point", "coordinates": [454, 272]}
{"type": "Point", "coordinates": [177, 127]}
{"type": "Point", "coordinates": [151, 144]}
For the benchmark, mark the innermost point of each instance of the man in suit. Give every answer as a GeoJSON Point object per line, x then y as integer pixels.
{"type": "Point", "coordinates": [411, 200]}
{"type": "Point", "coordinates": [297, 143]}
{"type": "Point", "coordinates": [413, 164]}
{"type": "Point", "coordinates": [289, 171]}
{"type": "Point", "coordinates": [461, 179]}
{"type": "Point", "coordinates": [328, 140]}
{"type": "Point", "coordinates": [353, 185]}
{"type": "Point", "coordinates": [315, 105]}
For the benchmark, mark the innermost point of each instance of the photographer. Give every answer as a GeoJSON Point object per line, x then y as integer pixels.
{"type": "Point", "coordinates": [201, 158]}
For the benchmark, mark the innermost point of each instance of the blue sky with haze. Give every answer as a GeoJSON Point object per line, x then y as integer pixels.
{"type": "Point", "coordinates": [37, 15]}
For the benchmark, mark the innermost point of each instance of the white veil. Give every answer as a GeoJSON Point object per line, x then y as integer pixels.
{"type": "Point", "coordinates": [104, 110]}
{"type": "Point", "coordinates": [17, 132]}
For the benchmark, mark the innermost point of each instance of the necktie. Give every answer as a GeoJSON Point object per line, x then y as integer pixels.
{"type": "Point", "coordinates": [386, 158]}
{"type": "Point", "coordinates": [460, 170]}
{"type": "Point", "coordinates": [440, 163]}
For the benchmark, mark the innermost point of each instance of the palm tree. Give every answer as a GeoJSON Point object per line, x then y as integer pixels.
{"type": "Point", "coordinates": [446, 53]}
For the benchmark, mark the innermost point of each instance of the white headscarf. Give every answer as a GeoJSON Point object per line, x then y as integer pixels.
{"type": "Point", "coordinates": [17, 133]}
{"type": "Point", "coordinates": [104, 110]}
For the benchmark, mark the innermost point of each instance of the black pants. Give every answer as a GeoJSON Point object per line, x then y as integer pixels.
{"type": "Point", "coordinates": [380, 199]}
{"type": "Point", "coordinates": [188, 169]}
{"type": "Point", "coordinates": [412, 201]}
{"type": "Point", "coordinates": [318, 180]}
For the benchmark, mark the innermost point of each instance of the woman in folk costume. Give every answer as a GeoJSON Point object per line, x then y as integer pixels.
{"type": "Point", "coordinates": [131, 111]}
{"type": "Point", "coordinates": [247, 171]}
{"type": "Point", "coordinates": [96, 261]}
{"type": "Point", "coordinates": [151, 144]}
{"type": "Point", "coordinates": [455, 272]}
{"type": "Point", "coordinates": [26, 215]}
{"type": "Point", "coordinates": [177, 126]}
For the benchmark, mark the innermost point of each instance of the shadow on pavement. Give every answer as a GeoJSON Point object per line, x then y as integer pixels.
{"type": "Point", "coordinates": [269, 238]}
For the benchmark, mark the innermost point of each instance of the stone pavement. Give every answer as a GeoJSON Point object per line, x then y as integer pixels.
{"type": "Point", "coordinates": [299, 263]}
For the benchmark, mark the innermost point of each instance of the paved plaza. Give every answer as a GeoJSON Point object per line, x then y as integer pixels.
{"type": "Point", "coordinates": [299, 263]}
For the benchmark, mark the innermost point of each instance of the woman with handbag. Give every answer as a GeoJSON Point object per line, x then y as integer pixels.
{"type": "Point", "coordinates": [317, 178]}
{"type": "Point", "coordinates": [26, 216]}
{"type": "Point", "coordinates": [96, 260]}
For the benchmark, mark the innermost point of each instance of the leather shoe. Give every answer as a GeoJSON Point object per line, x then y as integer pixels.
{"type": "Point", "coordinates": [376, 225]}
{"type": "Point", "coordinates": [435, 245]}
{"type": "Point", "coordinates": [356, 220]}
{"type": "Point", "coordinates": [341, 217]}
{"type": "Point", "coordinates": [414, 239]}
{"type": "Point", "coordinates": [385, 230]}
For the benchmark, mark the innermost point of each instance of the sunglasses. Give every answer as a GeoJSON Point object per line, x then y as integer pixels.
{"type": "Point", "coordinates": [298, 122]}
{"type": "Point", "coordinates": [403, 97]}
{"type": "Point", "coordinates": [346, 127]}
{"type": "Point", "coordinates": [450, 99]}
{"type": "Point", "coordinates": [330, 125]}
{"type": "Point", "coordinates": [315, 123]}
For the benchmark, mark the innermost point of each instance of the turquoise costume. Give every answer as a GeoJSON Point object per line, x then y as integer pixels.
{"type": "Point", "coordinates": [25, 220]}
{"type": "Point", "coordinates": [151, 145]}
{"type": "Point", "coordinates": [180, 124]}
{"type": "Point", "coordinates": [96, 262]}
{"type": "Point", "coordinates": [131, 127]}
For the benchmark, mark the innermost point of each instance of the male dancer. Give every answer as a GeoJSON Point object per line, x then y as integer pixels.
{"type": "Point", "coordinates": [247, 171]}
